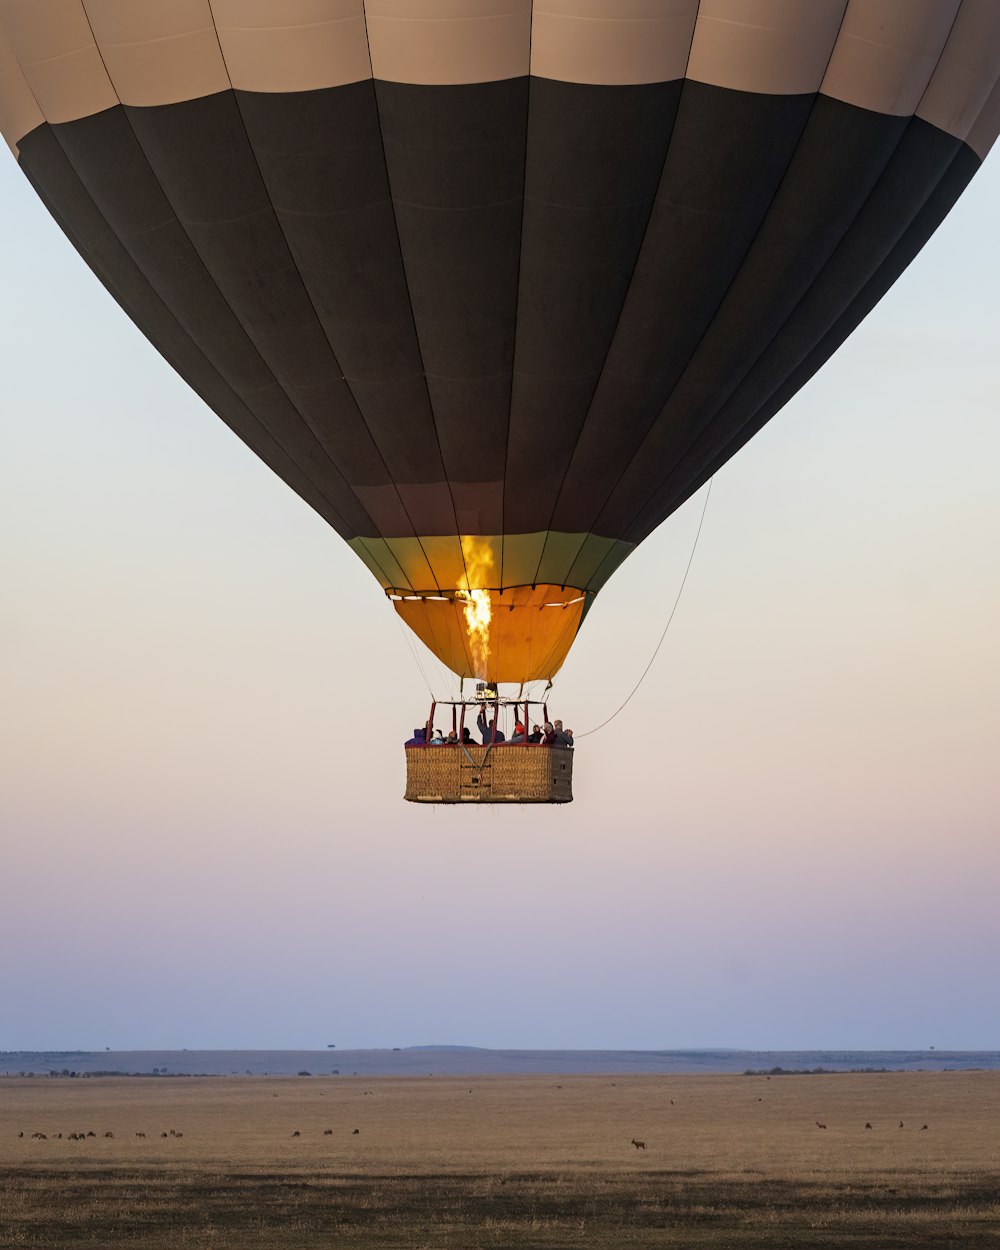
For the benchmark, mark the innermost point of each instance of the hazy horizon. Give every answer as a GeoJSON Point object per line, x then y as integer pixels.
{"type": "Point", "coordinates": [445, 1060]}
{"type": "Point", "coordinates": [524, 1049]}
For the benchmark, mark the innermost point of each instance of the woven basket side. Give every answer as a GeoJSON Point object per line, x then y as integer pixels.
{"type": "Point", "coordinates": [501, 774]}
{"type": "Point", "coordinates": [432, 773]}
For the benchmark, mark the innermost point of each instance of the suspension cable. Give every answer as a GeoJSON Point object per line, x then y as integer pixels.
{"type": "Point", "coordinates": [673, 610]}
{"type": "Point", "coordinates": [416, 658]}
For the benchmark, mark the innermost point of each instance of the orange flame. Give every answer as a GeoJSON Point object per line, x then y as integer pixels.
{"type": "Point", "coordinates": [478, 609]}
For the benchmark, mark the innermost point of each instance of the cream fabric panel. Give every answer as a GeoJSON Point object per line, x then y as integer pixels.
{"type": "Point", "coordinates": [938, 57]}
{"type": "Point", "coordinates": [441, 42]}
{"type": "Point", "coordinates": [775, 47]}
{"type": "Point", "coordinates": [19, 111]}
{"type": "Point", "coordinates": [159, 53]}
{"type": "Point", "coordinates": [293, 45]}
{"type": "Point", "coordinates": [611, 42]}
{"type": "Point", "coordinates": [887, 52]}
{"type": "Point", "coordinates": [967, 72]}
{"type": "Point", "coordinates": [986, 127]}
{"type": "Point", "coordinates": [52, 41]}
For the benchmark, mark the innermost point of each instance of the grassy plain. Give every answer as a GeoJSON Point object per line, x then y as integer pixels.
{"type": "Point", "coordinates": [734, 1162]}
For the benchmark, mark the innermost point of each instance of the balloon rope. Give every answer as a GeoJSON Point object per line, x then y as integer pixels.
{"type": "Point", "coordinates": [673, 610]}
{"type": "Point", "coordinates": [413, 651]}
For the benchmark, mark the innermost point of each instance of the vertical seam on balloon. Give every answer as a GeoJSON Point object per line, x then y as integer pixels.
{"type": "Point", "coordinates": [166, 198]}
{"type": "Point", "coordinates": [309, 297]}
{"type": "Point", "coordinates": [738, 440]}
{"type": "Point", "coordinates": [498, 657]}
{"type": "Point", "coordinates": [386, 579]}
{"type": "Point", "coordinates": [448, 620]}
{"type": "Point", "coordinates": [594, 585]}
{"type": "Point", "coordinates": [517, 296]}
{"type": "Point", "coordinates": [547, 657]}
{"type": "Point", "coordinates": [86, 252]}
{"type": "Point", "coordinates": [55, 134]}
{"type": "Point", "coordinates": [160, 347]}
{"type": "Point", "coordinates": [422, 610]}
{"type": "Point", "coordinates": [693, 442]}
{"type": "Point", "coordinates": [31, 90]}
{"type": "Point", "coordinates": [725, 295]}
{"type": "Point", "coordinates": [409, 297]}
{"type": "Point", "coordinates": [621, 309]}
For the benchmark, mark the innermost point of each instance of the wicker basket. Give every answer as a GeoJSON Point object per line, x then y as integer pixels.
{"type": "Point", "coordinates": [499, 774]}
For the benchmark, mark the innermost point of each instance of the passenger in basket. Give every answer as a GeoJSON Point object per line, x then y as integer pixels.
{"type": "Point", "coordinates": [486, 729]}
{"type": "Point", "coordinates": [419, 739]}
{"type": "Point", "coordinates": [467, 739]}
{"type": "Point", "coordinates": [452, 739]}
{"type": "Point", "coordinates": [563, 739]}
{"type": "Point", "coordinates": [437, 738]}
{"type": "Point", "coordinates": [549, 736]}
{"type": "Point", "coordinates": [536, 734]}
{"type": "Point", "coordinates": [519, 734]}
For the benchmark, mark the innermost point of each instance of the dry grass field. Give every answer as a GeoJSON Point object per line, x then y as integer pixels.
{"type": "Point", "coordinates": [502, 1162]}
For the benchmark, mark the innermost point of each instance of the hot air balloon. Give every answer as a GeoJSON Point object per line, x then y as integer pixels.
{"type": "Point", "coordinates": [496, 285]}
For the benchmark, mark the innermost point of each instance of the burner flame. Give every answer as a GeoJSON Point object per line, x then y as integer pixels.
{"type": "Point", "coordinates": [478, 606]}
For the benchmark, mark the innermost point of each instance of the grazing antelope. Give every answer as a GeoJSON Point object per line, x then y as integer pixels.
{"type": "Point", "coordinates": [296, 1133]}
{"type": "Point", "coordinates": [140, 1134]}
{"type": "Point", "coordinates": [867, 1125]}
{"type": "Point", "coordinates": [109, 1134]}
{"type": "Point", "coordinates": [355, 1132]}
{"type": "Point", "coordinates": [90, 1133]}
{"type": "Point", "coordinates": [922, 1127]}
{"type": "Point", "coordinates": [639, 1145]}
{"type": "Point", "coordinates": [328, 1132]}
{"type": "Point", "coordinates": [818, 1125]}
{"type": "Point", "coordinates": [901, 1124]}
{"type": "Point", "coordinates": [164, 1134]}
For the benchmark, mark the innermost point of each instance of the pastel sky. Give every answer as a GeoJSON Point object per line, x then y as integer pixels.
{"type": "Point", "coordinates": [788, 839]}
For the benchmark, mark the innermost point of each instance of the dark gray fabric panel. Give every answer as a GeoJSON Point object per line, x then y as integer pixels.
{"type": "Point", "coordinates": [840, 157]}
{"type": "Point", "coordinates": [320, 155]}
{"type": "Point", "coordinates": [837, 290]}
{"type": "Point", "coordinates": [594, 159]}
{"type": "Point", "coordinates": [203, 160]}
{"type": "Point", "coordinates": [727, 156]}
{"type": "Point", "coordinates": [927, 173]}
{"type": "Point", "coordinates": [455, 158]}
{"type": "Point", "coordinates": [411, 300]}
{"type": "Point", "coordinates": [45, 163]}
{"type": "Point", "coordinates": [110, 163]}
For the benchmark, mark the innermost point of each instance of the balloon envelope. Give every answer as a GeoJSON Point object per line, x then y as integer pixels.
{"type": "Point", "coordinates": [496, 287]}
